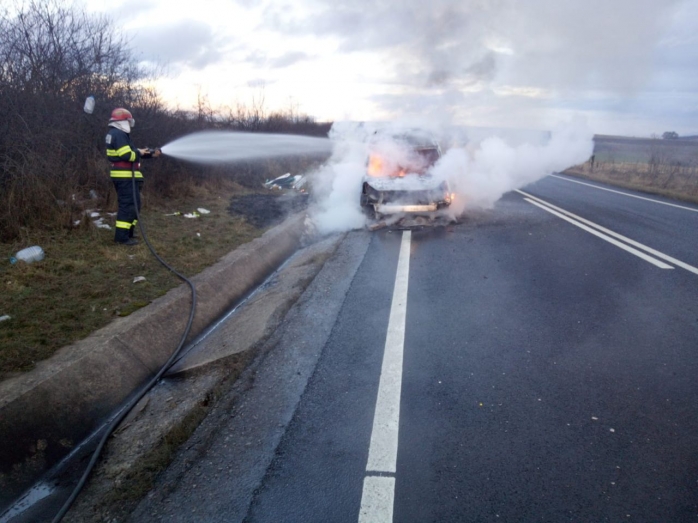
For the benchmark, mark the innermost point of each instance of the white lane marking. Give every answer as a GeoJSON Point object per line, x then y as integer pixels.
{"type": "Point", "coordinates": [377, 500]}
{"type": "Point", "coordinates": [382, 452]}
{"type": "Point", "coordinates": [639, 245]}
{"type": "Point", "coordinates": [637, 253]}
{"type": "Point", "coordinates": [626, 194]}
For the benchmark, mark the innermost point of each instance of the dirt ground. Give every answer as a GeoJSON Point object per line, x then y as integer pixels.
{"type": "Point", "coordinates": [267, 209]}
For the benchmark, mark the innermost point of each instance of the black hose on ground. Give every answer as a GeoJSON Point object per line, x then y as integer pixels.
{"type": "Point", "coordinates": [144, 390]}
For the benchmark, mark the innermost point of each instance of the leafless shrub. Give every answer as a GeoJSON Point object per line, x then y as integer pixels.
{"type": "Point", "coordinates": [52, 56]}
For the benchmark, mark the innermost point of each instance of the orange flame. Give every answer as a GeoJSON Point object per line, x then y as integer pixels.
{"type": "Point", "coordinates": [375, 165]}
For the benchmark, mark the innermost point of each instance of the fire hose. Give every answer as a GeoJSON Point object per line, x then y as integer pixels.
{"type": "Point", "coordinates": [144, 390]}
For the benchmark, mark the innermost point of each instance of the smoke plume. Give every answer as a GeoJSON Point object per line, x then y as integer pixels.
{"type": "Point", "coordinates": [479, 173]}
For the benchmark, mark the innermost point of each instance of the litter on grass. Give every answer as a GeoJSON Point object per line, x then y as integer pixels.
{"type": "Point", "coordinates": [138, 279]}
{"type": "Point", "coordinates": [286, 181]}
{"type": "Point", "coordinates": [194, 214]}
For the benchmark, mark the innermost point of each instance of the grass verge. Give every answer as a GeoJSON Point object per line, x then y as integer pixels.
{"type": "Point", "coordinates": [86, 280]}
{"type": "Point", "coordinates": [628, 176]}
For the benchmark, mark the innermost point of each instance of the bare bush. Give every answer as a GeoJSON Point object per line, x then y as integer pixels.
{"type": "Point", "coordinates": [52, 57]}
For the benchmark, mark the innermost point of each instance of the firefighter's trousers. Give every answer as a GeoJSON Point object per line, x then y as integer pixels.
{"type": "Point", "coordinates": [126, 218]}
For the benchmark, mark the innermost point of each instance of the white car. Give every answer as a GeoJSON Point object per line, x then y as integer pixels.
{"type": "Point", "coordinates": [398, 178]}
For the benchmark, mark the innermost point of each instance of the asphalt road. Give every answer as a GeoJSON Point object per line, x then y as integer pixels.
{"type": "Point", "coordinates": [514, 367]}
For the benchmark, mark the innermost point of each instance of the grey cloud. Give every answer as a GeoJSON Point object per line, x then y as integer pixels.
{"type": "Point", "coordinates": [188, 43]}
{"type": "Point", "coordinates": [545, 43]}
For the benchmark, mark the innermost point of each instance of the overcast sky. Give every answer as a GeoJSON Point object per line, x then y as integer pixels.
{"type": "Point", "coordinates": [629, 66]}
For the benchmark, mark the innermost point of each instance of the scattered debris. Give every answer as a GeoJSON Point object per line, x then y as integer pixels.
{"type": "Point", "coordinates": [176, 213]}
{"type": "Point", "coordinates": [612, 430]}
{"type": "Point", "coordinates": [138, 279]}
{"type": "Point", "coordinates": [28, 255]}
{"type": "Point", "coordinates": [286, 181]}
{"type": "Point", "coordinates": [595, 418]}
{"type": "Point", "coordinates": [203, 211]}
{"type": "Point", "coordinates": [93, 214]}
{"type": "Point", "coordinates": [101, 225]}
{"type": "Point", "coordinates": [5, 317]}
{"type": "Point", "coordinates": [198, 234]}
{"type": "Point", "coordinates": [192, 215]}
{"type": "Point", "coordinates": [376, 226]}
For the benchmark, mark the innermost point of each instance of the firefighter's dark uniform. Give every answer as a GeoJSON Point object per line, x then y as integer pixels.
{"type": "Point", "coordinates": [125, 162]}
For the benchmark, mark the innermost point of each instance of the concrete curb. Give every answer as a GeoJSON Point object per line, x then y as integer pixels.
{"type": "Point", "coordinates": [221, 368]}
{"type": "Point", "coordinates": [44, 413]}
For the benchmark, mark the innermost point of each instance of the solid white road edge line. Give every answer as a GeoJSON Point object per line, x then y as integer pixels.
{"type": "Point", "coordinates": [637, 253]}
{"type": "Point", "coordinates": [639, 245]}
{"type": "Point", "coordinates": [626, 194]}
{"type": "Point", "coordinates": [378, 493]}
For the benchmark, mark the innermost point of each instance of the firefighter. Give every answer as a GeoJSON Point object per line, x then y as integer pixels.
{"type": "Point", "coordinates": [125, 163]}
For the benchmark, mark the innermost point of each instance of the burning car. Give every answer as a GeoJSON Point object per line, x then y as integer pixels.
{"type": "Point", "coordinates": [398, 179]}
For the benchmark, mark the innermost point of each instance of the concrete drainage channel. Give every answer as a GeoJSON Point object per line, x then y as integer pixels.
{"type": "Point", "coordinates": [66, 399]}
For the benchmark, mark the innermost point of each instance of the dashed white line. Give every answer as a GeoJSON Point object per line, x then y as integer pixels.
{"type": "Point", "coordinates": [627, 240]}
{"type": "Point", "coordinates": [378, 492]}
{"type": "Point", "coordinates": [377, 500]}
{"type": "Point", "coordinates": [625, 193]}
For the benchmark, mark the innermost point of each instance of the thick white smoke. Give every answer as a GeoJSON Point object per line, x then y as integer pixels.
{"type": "Point", "coordinates": [337, 184]}
{"type": "Point", "coordinates": [482, 174]}
{"type": "Point", "coordinates": [479, 173]}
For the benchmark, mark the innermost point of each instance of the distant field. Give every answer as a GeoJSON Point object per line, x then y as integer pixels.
{"type": "Point", "coordinates": [668, 167]}
{"type": "Point", "coordinates": [619, 149]}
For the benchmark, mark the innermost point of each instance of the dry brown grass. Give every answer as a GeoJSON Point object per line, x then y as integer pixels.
{"type": "Point", "coordinates": [672, 181]}
{"type": "Point", "coordinates": [86, 280]}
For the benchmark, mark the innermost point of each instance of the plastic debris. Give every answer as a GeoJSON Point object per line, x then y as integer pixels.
{"type": "Point", "coordinates": [89, 106]}
{"type": "Point", "coordinates": [177, 213]}
{"type": "Point", "coordinates": [29, 255]}
{"type": "Point", "coordinates": [5, 317]}
{"type": "Point", "coordinates": [192, 215]}
{"type": "Point", "coordinates": [286, 181]}
{"type": "Point", "coordinates": [203, 211]}
{"type": "Point", "coordinates": [76, 223]}
{"type": "Point", "coordinates": [101, 225]}
{"type": "Point", "coordinates": [198, 234]}
{"type": "Point", "coordinates": [138, 279]}
{"type": "Point", "coordinates": [94, 215]}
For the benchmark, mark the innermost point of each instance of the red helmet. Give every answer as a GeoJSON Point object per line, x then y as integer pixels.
{"type": "Point", "coordinates": [120, 114]}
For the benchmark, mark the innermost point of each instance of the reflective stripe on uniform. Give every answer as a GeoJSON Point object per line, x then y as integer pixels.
{"type": "Point", "coordinates": [123, 225]}
{"type": "Point", "coordinates": [126, 149]}
{"type": "Point", "coordinates": [126, 174]}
